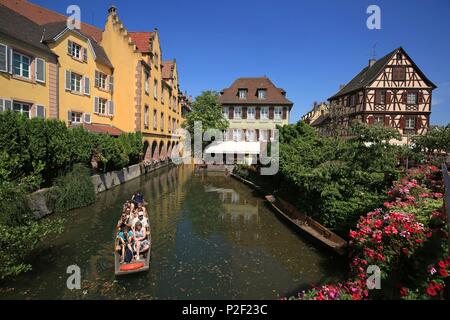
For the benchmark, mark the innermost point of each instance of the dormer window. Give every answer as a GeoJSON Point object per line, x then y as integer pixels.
{"type": "Point", "coordinates": [262, 94]}
{"type": "Point", "coordinates": [243, 94]}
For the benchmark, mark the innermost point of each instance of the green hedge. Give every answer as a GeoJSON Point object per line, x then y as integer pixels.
{"type": "Point", "coordinates": [46, 149]}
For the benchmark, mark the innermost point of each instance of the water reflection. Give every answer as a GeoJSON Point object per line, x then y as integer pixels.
{"type": "Point", "coordinates": [213, 238]}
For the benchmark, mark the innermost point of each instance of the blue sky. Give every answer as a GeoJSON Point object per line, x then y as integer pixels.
{"type": "Point", "coordinates": [306, 47]}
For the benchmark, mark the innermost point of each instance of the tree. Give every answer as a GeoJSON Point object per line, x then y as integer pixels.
{"type": "Point", "coordinates": [207, 110]}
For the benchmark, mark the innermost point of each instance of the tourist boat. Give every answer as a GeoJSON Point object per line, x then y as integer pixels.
{"type": "Point", "coordinates": [309, 226]}
{"type": "Point", "coordinates": [135, 266]}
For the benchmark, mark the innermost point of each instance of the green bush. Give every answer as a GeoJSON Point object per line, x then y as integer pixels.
{"type": "Point", "coordinates": [74, 190]}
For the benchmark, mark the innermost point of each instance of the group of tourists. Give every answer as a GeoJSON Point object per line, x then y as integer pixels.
{"type": "Point", "coordinates": [133, 230]}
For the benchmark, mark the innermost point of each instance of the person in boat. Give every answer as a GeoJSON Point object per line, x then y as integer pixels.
{"type": "Point", "coordinates": [142, 220]}
{"type": "Point", "coordinates": [141, 243]}
{"type": "Point", "coordinates": [125, 239]}
{"type": "Point", "coordinates": [138, 198]}
{"type": "Point", "coordinates": [124, 221]}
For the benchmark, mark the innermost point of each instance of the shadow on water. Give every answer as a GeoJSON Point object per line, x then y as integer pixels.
{"type": "Point", "coordinates": [213, 238]}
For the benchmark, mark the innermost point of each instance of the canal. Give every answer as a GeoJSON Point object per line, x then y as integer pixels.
{"type": "Point", "coordinates": [213, 238]}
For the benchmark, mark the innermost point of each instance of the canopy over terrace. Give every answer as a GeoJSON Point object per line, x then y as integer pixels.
{"type": "Point", "coordinates": [248, 151]}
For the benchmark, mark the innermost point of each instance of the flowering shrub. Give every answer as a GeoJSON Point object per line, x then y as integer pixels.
{"type": "Point", "coordinates": [388, 237]}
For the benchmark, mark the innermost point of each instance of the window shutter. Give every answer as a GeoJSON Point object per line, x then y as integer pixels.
{"type": "Point", "coordinates": [87, 118]}
{"type": "Point", "coordinates": [69, 116]}
{"type": "Point", "coordinates": [10, 60]}
{"type": "Point", "coordinates": [377, 96]}
{"type": "Point", "coordinates": [3, 58]}
{"type": "Point", "coordinates": [69, 47]}
{"type": "Point", "coordinates": [284, 113]}
{"type": "Point", "coordinates": [87, 85]}
{"type": "Point", "coordinates": [257, 113]}
{"type": "Point", "coordinates": [388, 97]}
{"type": "Point", "coordinates": [271, 113]}
{"type": "Point", "coordinates": [404, 97]}
{"type": "Point", "coordinates": [2, 105]}
{"type": "Point", "coordinates": [111, 83]}
{"type": "Point", "coordinates": [68, 80]}
{"type": "Point", "coordinates": [418, 123]}
{"type": "Point", "coordinates": [257, 134]}
{"type": "Point", "coordinates": [244, 112]}
{"type": "Point", "coordinates": [97, 79]}
{"type": "Point", "coordinates": [420, 97]}
{"type": "Point", "coordinates": [40, 70]}
{"type": "Point", "coordinates": [96, 109]}
{"type": "Point", "coordinates": [111, 108]}
{"type": "Point", "coordinates": [7, 105]}
{"type": "Point", "coordinates": [85, 54]}
{"type": "Point", "coordinates": [402, 122]}
{"type": "Point", "coordinates": [370, 120]}
{"type": "Point", "coordinates": [387, 121]}
{"type": "Point", "coordinates": [231, 113]}
{"type": "Point", "coordinates": [40, 111]}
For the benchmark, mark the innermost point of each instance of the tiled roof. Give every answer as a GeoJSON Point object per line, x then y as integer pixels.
{"type": "Point", "coordinates": [367, 75]}
{"type": "Point", "coordinates": [102, 128]}
{"type": "Point", "coordinates": [19, 27]}
{"type": "Point", "coordinates": [320, 120]}
{"type": "Point", "coordinates": [142, 40]}
{"type": "Point", "coordinates": [55, 28]}
{"type": "Point", "coordinates": [42, 16]}
{"type": "Point", "coordinates": [167, 69]}
{"type": "Point", "coordinates": [274, 95]}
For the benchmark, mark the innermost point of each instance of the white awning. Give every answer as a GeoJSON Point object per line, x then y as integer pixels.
{"type": "Point", "coordinates": [234, 147]}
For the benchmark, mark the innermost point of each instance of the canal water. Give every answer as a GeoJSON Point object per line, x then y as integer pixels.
{"type": "Point", "coordinates": [213, 238]}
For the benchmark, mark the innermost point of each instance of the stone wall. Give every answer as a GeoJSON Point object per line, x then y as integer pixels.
{"type": "Point", "coordinates": [42, 202]}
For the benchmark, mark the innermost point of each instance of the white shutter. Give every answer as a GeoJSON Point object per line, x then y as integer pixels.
{"type": "Point", "coordinates": [40, 70]}
{"type": "Point", "coordinates": [111, 108]}
{"type": "Point", "coordinates": [111, 83]}
{"type": "Point", "coordinates": [10, 60]}
{"type": "Point", "coordinates": [40, 111]}
{"type": "Point", "coordinates": [2, 105]}
{"type": "Point", "coordinates": [3, 58]}
{"type": "Point", "coordinates": [69, 47]}
{"type": "Point", "coordinates": [69, 116]}
{"type": "Point", "coordinates": [97, 79]}
{"type": "Point", "coordinates": [96, 109]}
{"type": "Point", "coordinates": [87, 118]}
{"type": "Point", "coordinates": [68, 80]}
{"type": "Point", "coordinates": [85, 54]}
{"type": "Point", "coordinates": [87, 85]}
{"type": "Point", "coordinates": [8, 105]}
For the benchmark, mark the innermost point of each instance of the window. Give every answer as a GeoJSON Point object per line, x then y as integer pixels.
{"type": "Point", "coordinates": [237, 112]}
{"type": "Point", "coordinates": [23, 108]}
{"type": "Point", "coordinates": [74, 50]}
{"type": "Point", "coordinates": [76, 117]}
{"type": "Point", "coordinates": [399, 56]}
{"type": "Point", "coordinates": [226, 135]}
{"type": "Point", "coordinates": [237, 134]}
{"type": "Point", "coordinates": [261, 94]}
{"type": "Point", "coordinates": [147, 82]}
{"type": "Point", "coordinates": [251, 135]}
{"type": "Point", "coordinates": [251, 113]}
{"type": "Point", "coordinates": [155, 119]}
{"type": "Point", "coordinates": [75, 82]}
{"type": "Point", "coordinates": [21, 65]}
{"type": "Point", "coordinates": [243, 94]}
{"type": "Point", "coordinates": [40, 111]}
{"type": "Point", "coordinates": [410, 123]}
{"type": "Point", "coordinates": [398, 73]}
{"type": "Point", "coordinates": [264, 113]}
{"type": "Point", "coordinates": [155, 89]}
{"type": "Point", "coordinates": [225, 112]}
{"type": "Point", "coordinates": [101, 106]}
{"type": "Point", "coordinates": [101, 80]}
{"type": "Point", "coordinates": [411, 98]}
{"type": "Point", "coordinates": [278, 113]}
{"type": "Point", "coordinates": [146, 117]}
{"type": "Point", "coordinates": [263, 135]}
{"type": "Point", "coordinates": [382, 97]}
{"type": "Point", "coordinates": [162, 121]}
{"type": "Point", "coordinates": [352, 100]}
{"type": "Point", "coordinates": [378, 120]}
{"type": "Point", "coordinates": [156, 60]}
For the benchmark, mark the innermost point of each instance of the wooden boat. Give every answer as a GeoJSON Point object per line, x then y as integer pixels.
{"type": "Point", "coordinates": [135, 266]}
{"type": "Point", "coordinates": [309, 226]}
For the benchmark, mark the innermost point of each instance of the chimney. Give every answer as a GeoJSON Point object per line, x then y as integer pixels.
{"type": "Point", "coordinates": [372, 62]}
{"type": "Point", "coordinates": [112, 10]}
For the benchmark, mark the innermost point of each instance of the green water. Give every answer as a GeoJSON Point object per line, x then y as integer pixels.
{"type": "Point", "coordinates": [213, 238]}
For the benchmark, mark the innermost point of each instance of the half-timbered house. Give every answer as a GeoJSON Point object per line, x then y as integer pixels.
{"type": "Point", "coordinates": [392, 91]}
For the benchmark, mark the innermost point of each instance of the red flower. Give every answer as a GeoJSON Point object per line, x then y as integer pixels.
{"type": "Point", "coordinates": [431, 291]}
{"type": "Point", "coordinates": [443, 273]}
{"type": "Point", "coordinates": [442, 264]}
{"type": "Point", "coordinates": [405, 250]}
{"type": "Point", "coordinates": [403, 292]}
{"type": "Point", "coordinates": [356, 296]}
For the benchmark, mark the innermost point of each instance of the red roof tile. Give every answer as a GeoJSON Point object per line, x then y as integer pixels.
{"type": "Point", "coordinates": [167, 69]}
{"type": "Point", "coordinates": [142, 40]}
{"type": "Point", "coordinates": [102, 128]}
{"type": "Point", "coordinates": [42, 16]}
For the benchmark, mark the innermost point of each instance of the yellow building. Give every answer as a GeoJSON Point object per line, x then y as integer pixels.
{"type": "Point", "coordinates": [27, 68]}
{"type": "Point", "coordinates": [109, 81]}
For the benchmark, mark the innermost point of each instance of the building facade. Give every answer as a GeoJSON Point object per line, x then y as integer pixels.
{"type": "Point", "coordinates": [254, 107]}
{"type": "Point", "coordinates": [391, 92]}
{"type": "Point", "coordinates": [109, 81]}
